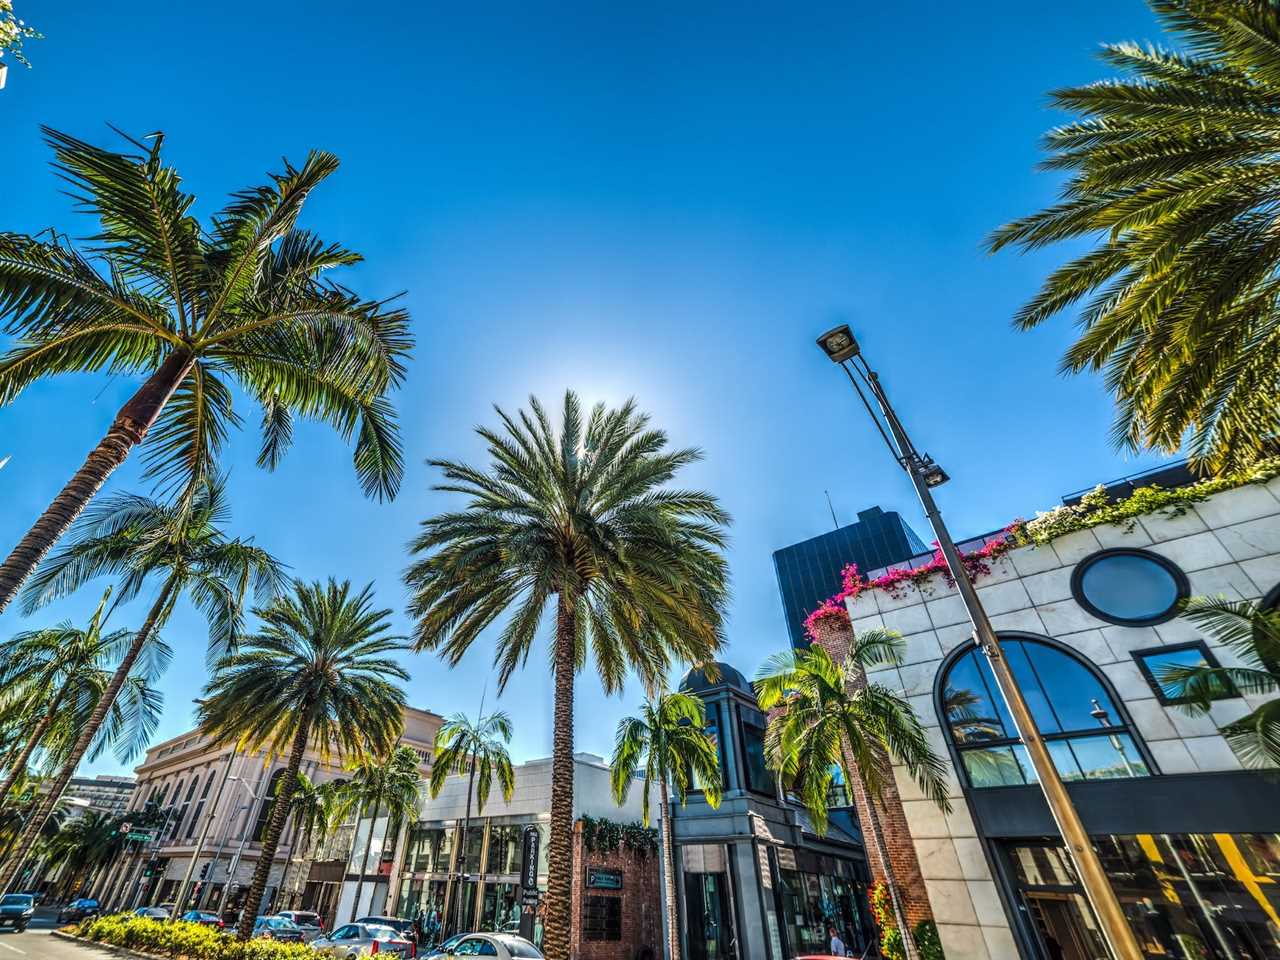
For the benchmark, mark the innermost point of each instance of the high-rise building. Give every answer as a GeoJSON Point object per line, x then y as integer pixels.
{"type": "Point", "coordinates": [809, 571]}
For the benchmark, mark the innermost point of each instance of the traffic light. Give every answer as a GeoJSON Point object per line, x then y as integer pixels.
{"type": "Point", "coordinates": [204, 870]}
{"type": "Point", "coordinates": [150, 869]}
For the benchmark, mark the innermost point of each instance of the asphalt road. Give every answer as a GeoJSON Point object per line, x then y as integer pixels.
{"type": "Point", "coordinates": [35, 943]}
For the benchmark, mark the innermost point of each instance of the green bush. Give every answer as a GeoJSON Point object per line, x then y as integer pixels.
{"type": "Point", "coordinates": [180, 939]}
{"type": "Point", "coordinates": [927, 940]}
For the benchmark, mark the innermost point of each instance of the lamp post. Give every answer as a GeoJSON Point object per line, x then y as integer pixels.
{"type": "Point", "coordinates": [842, 349]}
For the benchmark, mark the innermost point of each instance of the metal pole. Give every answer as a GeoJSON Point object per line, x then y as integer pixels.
{"type": "Point", "coordinates": [1093, 878]}
{"type": "Point", "coordinates": [180, 899]}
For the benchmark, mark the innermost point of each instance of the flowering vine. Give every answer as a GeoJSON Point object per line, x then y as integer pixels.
{"type": "Point", "coordinates": [13, 32]}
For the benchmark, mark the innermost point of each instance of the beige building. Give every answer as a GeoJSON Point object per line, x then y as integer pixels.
{"type": "Point", "coordinates": [186, 781]}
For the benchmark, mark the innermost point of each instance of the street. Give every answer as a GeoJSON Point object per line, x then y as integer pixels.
{"type": "Point", "coordinates": [37, 943]}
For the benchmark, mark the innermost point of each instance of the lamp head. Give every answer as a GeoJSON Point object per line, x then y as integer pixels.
{"type": "Point", "coordinates": [838, 344]}
{"type": "Point", "coordinates": [934, 475]}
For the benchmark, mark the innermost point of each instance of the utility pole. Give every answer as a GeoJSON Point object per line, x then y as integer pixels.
{"type": "Point", "coordinates": [842, 349]}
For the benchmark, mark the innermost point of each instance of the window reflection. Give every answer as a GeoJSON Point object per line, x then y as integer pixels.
{"type": "Point", "coordinates": [1079, 721]}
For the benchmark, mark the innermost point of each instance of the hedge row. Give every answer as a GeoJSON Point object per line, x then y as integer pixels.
{"type": "Point", "coordinates": [181, 939]}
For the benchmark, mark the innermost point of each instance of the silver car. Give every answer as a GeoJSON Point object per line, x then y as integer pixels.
{"type": "Point", "coordinates": [501, 946]}
{"type": "Point", "coordinates": [351, 939]}
{"type": "Point", "coordinates": [305, 920]}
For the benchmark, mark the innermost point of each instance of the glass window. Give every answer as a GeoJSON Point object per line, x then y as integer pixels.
{"type": "Point", "coordinates": [712, 730]}
{"type": "Point", "coordinates": [1158, 663]}
{"type": "Point", "coordinates": [1082, 727]}
{"type": "Point", "coordinates": [602, 918]}
{"type": "Point", "coordinates": [1129, 586]}
{"type": "Point", "coordinates": [758, 777]}
{"type": "Point", "coordinates": [504, 849]}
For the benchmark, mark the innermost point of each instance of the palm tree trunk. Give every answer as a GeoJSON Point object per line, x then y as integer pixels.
{"type": "Point", "coordinates": [462, 846]}
{"type": "Point", "coordinates": [882, 851]}
{"type": "Point", "coordinates": [364, 863]}
{"type": "Point", "coordinates": [669, 875]}
{"type": "Point", "coordinates": [271, 839]}
{"type": "Point", "coordinates": [556, 929]}
{"type": "Point", "coordinates": [20, 762]}
{"type": "Point", "coordinates": [13, 865]}
{"type": "Point", "coordinates": [126, 432]}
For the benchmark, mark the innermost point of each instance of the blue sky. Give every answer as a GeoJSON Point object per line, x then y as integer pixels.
{"type": "Point", "coordinates": [655, 201]}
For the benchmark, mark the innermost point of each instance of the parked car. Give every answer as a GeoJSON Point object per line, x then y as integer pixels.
{"type": "Point", "coordinates": [16, 910]}
{"type": "Point", "coordinates": [442, 950]}
{"type": "Point", "coordinates": [501, 946]}
{"type": "Point", "coordinates": [153, 913]}
{"type": "Point", "coordinates": [204, 918]}
{"type": "Point", "coordinates": [311, 924]}
{"type": "Point", "coordinates": [78, 910]}
{"type": "Point", "coordinates": [348, 941]}
{"type": "Point", "coordinates": [277, 928]}
{"type": "Point", "coordinates": [400, 926]}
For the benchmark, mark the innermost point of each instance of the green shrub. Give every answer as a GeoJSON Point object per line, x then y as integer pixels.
{"type": "Point", "coordinates": [927, 941]}
{"type": "Point", "coordinates": [180, 939]}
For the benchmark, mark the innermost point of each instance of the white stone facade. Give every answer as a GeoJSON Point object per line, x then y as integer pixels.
{"type": "Point", "coordinates": [1228, 545]}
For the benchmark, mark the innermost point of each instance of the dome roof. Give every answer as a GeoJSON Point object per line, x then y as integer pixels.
{"type": "Point", "coordinates": [695, 681]}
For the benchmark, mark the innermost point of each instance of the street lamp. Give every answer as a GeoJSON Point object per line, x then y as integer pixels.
{"type": "Point", "coordinates": [842, 348]}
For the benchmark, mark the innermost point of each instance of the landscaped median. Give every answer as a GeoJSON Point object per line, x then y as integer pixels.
{"type": "Point", "coordinates": [180, 939]}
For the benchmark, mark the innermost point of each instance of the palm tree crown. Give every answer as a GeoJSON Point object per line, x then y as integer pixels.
{"type": "Point", "coordinates": [318, 672]}
{"type": "Point", "coordinates": [475, 747]}
{"type": "Point", "coordinates": [667, 745]}
{"type": "Point", "coordinates": [832, 718]}
{"type": "Point", "coordinates": [196, 309]}
{"type": "Point", "coordinates": [1171, 171]}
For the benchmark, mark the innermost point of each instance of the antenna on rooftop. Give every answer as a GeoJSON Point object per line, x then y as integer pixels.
{"type": "Point", "coordinates": [832, 509]}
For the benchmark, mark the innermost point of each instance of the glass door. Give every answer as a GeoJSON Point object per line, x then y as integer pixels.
{"type": "Point", "coordinates": [708, 911]}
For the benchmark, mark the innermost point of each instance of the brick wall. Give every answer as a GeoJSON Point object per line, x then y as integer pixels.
{"type": "Point", "coordinates": [640, 896]}
{"type": "Point", "coordinates": [835, 638]}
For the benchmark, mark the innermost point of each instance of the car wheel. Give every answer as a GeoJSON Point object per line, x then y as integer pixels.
{"type": "Point", "coordinates": [20, 927]}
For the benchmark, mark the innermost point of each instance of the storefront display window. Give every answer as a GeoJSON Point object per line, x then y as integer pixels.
{"type": "Point", "coordinates": [708, 897]}
{"type": "Point", "coordinates": [501, 910]}
{"type": "Point", "coordinates": [1200, 896]}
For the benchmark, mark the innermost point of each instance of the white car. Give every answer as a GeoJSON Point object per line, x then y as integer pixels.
{"type": "Point", "coordinates": [501, 946]}
{"type": "Point", "coordinates": [350, 940]}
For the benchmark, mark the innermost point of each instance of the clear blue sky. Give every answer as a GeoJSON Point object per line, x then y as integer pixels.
{"type": "Point", "coordinates": [660, 200]}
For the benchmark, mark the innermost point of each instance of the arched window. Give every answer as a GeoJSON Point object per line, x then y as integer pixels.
{"type": "Point", "coordinates": [268, 804]}
{"type": "Point", "coordinates": [1085, 731]}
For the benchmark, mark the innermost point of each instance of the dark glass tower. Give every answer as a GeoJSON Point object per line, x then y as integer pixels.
{"type": "Point", "coordinates": [809, 571]}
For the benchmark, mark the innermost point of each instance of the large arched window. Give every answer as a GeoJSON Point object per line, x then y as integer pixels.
{"type": "Point", "coordinates": [268, 804]}
{"type": "Point", "coordinates": [1082, 726]}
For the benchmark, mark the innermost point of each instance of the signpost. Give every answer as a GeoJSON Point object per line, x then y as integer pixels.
{"type": "Point", "coordinates": [142, 836]}
{"type": "Point", "coordinates": [529, 881]}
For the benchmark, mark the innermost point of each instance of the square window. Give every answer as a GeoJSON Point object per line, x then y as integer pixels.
{"type": "Point", "coordinates": [1156, 662]}
{"type": "Point", "coordinates": [602, 918]}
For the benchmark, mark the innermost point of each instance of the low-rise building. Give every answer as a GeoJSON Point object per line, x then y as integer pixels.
{"type": "Point", "coordinates": [186, 781]}
{"type": "Point", "coordinates": [105, 793]}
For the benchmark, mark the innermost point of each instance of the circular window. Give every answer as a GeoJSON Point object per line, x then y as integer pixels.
{"type": "Point", "coordinates": [1129, 587]}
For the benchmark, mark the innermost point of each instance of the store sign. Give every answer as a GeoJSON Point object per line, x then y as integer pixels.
{"type": "Point", "coordinates": [599, 879]}
{"type": "Point", "coordinates": [529, 863]}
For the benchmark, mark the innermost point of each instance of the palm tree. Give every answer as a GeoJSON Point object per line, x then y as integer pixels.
{"type": "Point", "coordinates": [378, 782]}
{"type": "Point", "coordinates": [1252, 633]}
{"type": "Point", "coordinates": [138, 539]}
{"type": "Point", "coordinates": [40, 670]}
{"type": "Point", "coordinates": [195, 310]}
{"type": "Point", "coordinates": [312, 808]}
{"type": "Point", "coordinates": [668, 741]}
{"type": "Point", "coordinates": [1170, 176]}
{"type": "Point", "coordinates": [832, 718]}
{"type": "Point", "coordinates": [581, 516]}
{"type": "Point", "coordinates": [83, 844]}
{"type": "Point", "coordinates": [317, 672]}
{"type": "Point", "coordinates": [479, 750]}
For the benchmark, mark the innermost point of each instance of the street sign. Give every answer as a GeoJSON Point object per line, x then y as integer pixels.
{"type": "Point", "coordinates": [142, 836]}
{"type": "Point", "coordinates": [529, 881]}
{"type": "Point", "coordinates": [604, 879]}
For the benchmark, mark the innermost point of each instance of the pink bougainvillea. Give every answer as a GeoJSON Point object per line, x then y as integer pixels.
{"type": "Point", "coordinates": [977, 563]}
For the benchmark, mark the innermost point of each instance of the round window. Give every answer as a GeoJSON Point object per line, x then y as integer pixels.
{"type": "Point", "coordinates": [1130, 587]}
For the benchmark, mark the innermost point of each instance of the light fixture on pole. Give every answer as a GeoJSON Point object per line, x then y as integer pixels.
{"type": "Point", "coordinates": [841, 348]}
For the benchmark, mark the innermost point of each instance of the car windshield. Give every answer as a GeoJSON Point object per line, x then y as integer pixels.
{"type": "Point", "coordinates": [381, 933]}
{"type": "Point", "coordinates": [280, 923]}
{"type": "Point", "coordinates": [16, 900]}
{"type": "Point", "coordinates": [520, 947]}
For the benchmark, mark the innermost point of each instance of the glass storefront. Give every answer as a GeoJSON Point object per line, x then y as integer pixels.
{"type": "Point", "coordinates": [1187, 896]}
{"type": "Point", "coordinates": [819, 892]}
{"type": "Point", "coordinates": [708, 902]}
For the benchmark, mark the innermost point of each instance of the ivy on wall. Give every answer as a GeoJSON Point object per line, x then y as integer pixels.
{"type": "Point", "coordinates": [605, 836]}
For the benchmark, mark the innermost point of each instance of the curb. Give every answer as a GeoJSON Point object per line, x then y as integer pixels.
{"type": "Point", "coordinates": [108, 947]}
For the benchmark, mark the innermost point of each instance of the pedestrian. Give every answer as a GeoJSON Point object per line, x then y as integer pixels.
{"type": "Point", "coordinates": [837, 945]}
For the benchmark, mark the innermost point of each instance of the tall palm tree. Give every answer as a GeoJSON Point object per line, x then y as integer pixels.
{"type": "Point", "coordinates": [312, 808]}
{"type": "Point", "coordinates": [194, 310]}
{"type": "Point", "coordinates": [478, 749]}
{"type": "Point", "coordinates": [581, 516]}
{"type": "Point", "coordinates": [83, 844]}
{"type": "Point", "coordinates": [1252, 633]}
{"type": "Point", "coordinates": [378, 783]}
{"type": "Point", "coordinates": [1171, 177]}
{"type": "Point", "coordinates": [669, 743]}
{"type": "Point", "coordinates": [138, 539]}
{"type": "Point", "coordinates": [832, 718]}
{"type": "Point", "coordinates": [318, 672]}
